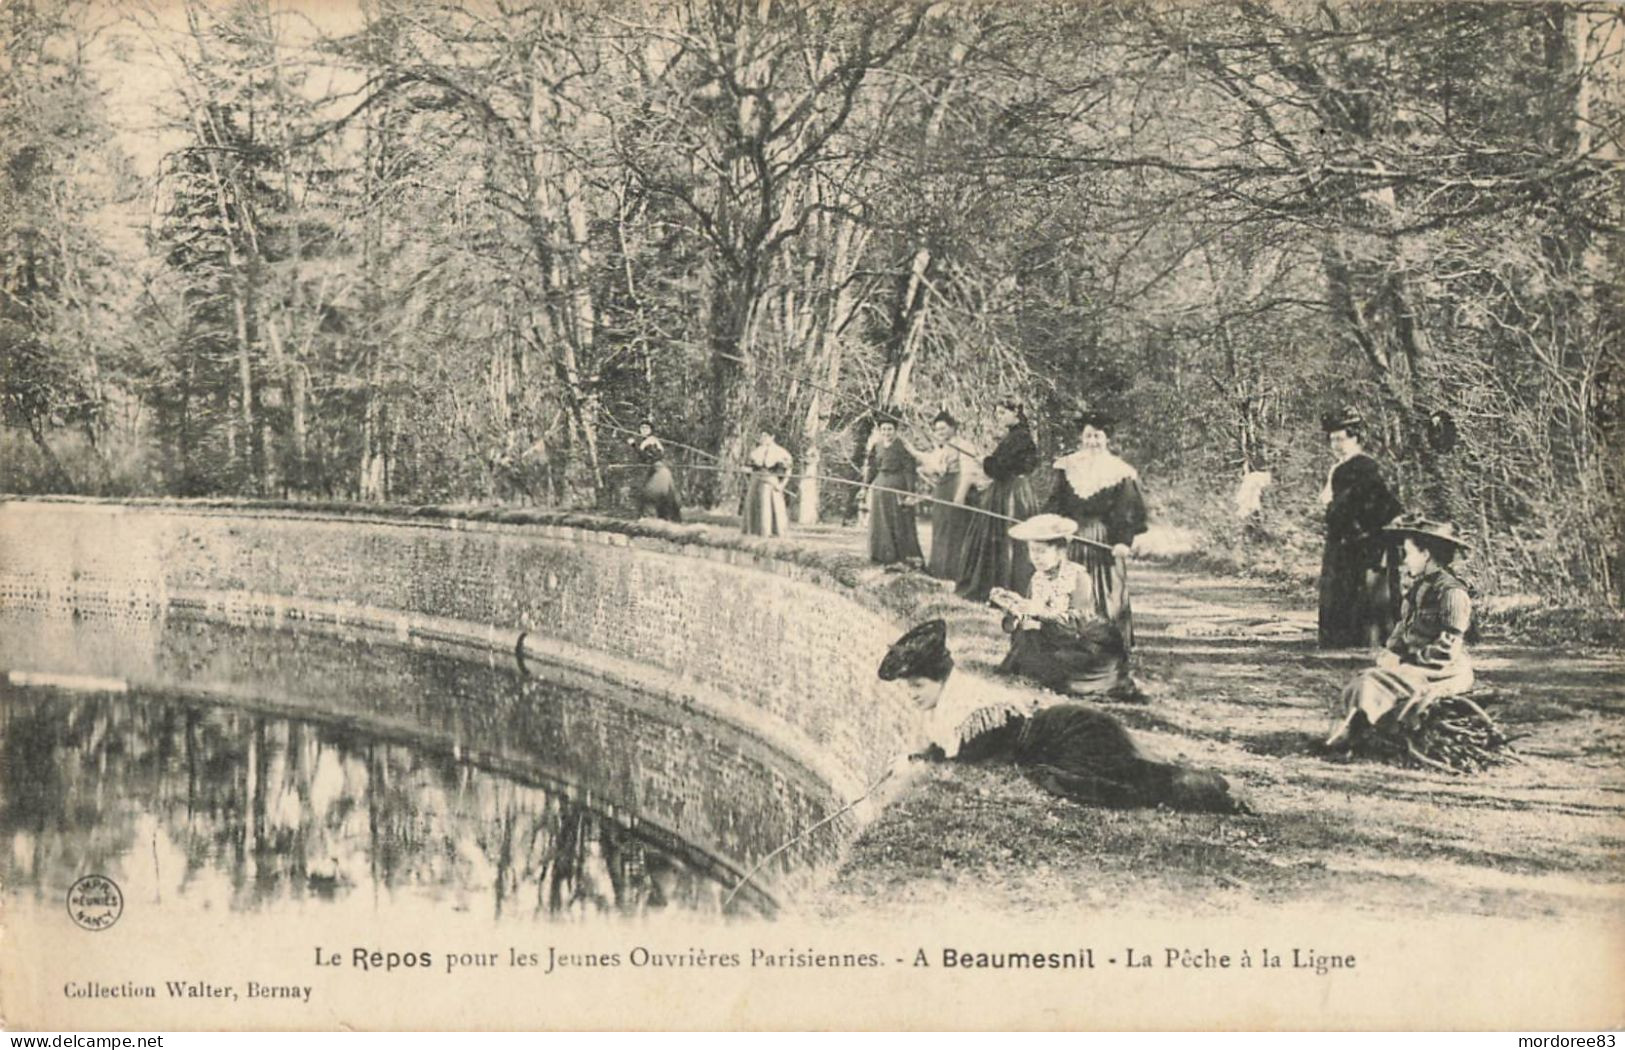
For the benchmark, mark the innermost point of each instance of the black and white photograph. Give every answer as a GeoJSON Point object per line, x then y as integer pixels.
{"type": "Point", "coordinates": [812, 514]}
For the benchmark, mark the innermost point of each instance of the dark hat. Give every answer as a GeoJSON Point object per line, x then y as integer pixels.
{"type": "Point", "coordinates": [945, 417]}
{"type": "Point", "coordinates": [1344, 418]}
{"type": "Point", "coordinates": [1417, 525]}
{"type": "Point", "coordinates": [647, 421]}
{"type": "Point", "coordinates": [882, 417]}
{"type": "Point", "coordinates": [921, 653]}
{"type": "Point", "coordinates": [1093, 417]}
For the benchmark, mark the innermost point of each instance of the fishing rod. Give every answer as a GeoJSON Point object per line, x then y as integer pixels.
{"type": "Point", "coordinates": [759, 865]}
{"type": "Point", "coordinates": [878, 412]}
{"type": "Point", "coordinates": [663, 441]}
{"type": "Point", "coordinates": [865, 485]}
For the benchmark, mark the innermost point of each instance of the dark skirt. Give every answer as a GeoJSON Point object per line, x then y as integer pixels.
{"type": "Point", "coordinates": [1084, 754]}
{"type": "Point", "coordinates": [893, 536]}
{"type": "Point", "coordinates": [1357, 595]}
{"type": "Point", "coordinates": [948, 524]}
{"type": "Point", "coordinates": [1090, 661]}
{"type": "Point", "coordinates": [1108, 581]}
{"type": "Point", "coordinates": [992, 559]}
{"type": "Point", "coordinates": [659, 492]}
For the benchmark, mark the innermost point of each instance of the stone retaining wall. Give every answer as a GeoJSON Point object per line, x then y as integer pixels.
{"type": "Point", "coordinates": [783, 650]}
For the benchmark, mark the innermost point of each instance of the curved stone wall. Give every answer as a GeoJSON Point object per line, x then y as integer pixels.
{"type": "Point", "coordinates": [776, 648]}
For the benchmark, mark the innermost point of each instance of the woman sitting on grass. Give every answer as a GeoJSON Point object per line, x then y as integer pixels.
{"type": "Point", "coordinates": [1058, 636]}
{"type": "Point", "coordinates": [1069, 750]}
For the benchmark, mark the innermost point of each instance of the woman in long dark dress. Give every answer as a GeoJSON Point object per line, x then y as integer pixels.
{"type": "Point", "coordinates": [1057, 636]}
{"type": "Point", "coordinates": [953, 472]}
{"type": "Point", "coordinates": [1357, 588]}
{"type": "Point", "coordinates": [1070, 750]}
{"type": "Point", "coordinates": [659, 491]}
{"type": "Point", "coordinates": [991, 558]}
{"type": "Point", "coordinates": [893, 535]}
{"type": "Point", "coordinates": [1101, 493]}
{"type": "Point", "coordinates": [765, 513]}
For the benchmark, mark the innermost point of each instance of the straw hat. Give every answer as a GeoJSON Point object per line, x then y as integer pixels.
{"type": "Point", "coordinates": [1417, 525]}
{"type": "Point", "coordinates": [1044, 527]}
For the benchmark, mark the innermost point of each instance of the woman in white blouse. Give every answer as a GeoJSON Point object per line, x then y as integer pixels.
{"type": "Point", "coordinates": [764, 512]}
{"type": "Point", "coordinates": [1057, 635]}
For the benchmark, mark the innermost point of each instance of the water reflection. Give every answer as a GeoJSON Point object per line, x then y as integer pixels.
{"type": "Point", "coordinates": [346, 768]}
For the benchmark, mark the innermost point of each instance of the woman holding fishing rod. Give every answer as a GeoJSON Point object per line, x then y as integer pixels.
{"type": "Point", "coordinates": [954, 472]}
{"type": "Point", "coordinates": [1058, 637]}
{"type": "Point", "coordinates": [765, 513]}
{"type": "Point", "coordinates": [992, 559]}
{"type": "Point", "coordinates": [893, 535]}
{"type": "Point", "coordinates": [659, 491]}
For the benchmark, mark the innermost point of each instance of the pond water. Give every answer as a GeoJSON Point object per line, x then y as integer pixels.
{"type": "Point", "coordinates": [234, 766]}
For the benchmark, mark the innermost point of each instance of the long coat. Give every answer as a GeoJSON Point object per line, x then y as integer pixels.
{"type": "Point", "coordinates": [1358, 591]}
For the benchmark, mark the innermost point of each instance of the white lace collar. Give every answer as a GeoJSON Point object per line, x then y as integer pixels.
{"type": "Point", "coordinates": [1090, 472]}
{"type": "Point", "coordinates": [955, 704]}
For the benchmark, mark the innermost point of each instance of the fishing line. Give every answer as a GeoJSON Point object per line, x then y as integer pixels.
{"type": "Point", "coordinates": [745, 881]}
{"type": "Point", "coordinates": [663, 441]}
{"type": "Point", "coordinates": [879, 411]}
{"type": "Point", "coordinates": [865, 485]}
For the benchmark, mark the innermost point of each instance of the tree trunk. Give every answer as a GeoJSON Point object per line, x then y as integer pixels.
{"type": "Point", "coordinates": [559, 231]}
{"type": "Point", "coordinates": [825, 361]}
{"type": "Point", "coordinates": [57, 476]}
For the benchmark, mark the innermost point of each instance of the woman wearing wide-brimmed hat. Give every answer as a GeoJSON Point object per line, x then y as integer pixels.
{"type": "Point", "coordinates": [1058, 636]}
{"type": "Point", "coordinates": [1101, 492]}
{"type": "Point", "coordinates": [1426, 655]}
{"type": "Point", "coordinates": [1357, 599]}
{"type": "Point", "coordinates": [659, 491]}
{"type": "Point", "coordinates": [990, 558]}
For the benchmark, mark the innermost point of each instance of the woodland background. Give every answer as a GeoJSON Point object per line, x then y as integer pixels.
{"type": "Point", "coordinates": [415, 251]}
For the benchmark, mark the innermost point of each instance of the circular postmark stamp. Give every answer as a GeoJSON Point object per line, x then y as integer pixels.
{"type": "Point", "coordinates": [95, 902]}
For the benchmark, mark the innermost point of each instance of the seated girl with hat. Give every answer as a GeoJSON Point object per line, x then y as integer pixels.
{"type": "Point", "coordinates": [1426, 654]}
{"type": "Point", "coordinates": [1058, 636]}
{"type": "Point", "coordinates": [1071, 750]}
